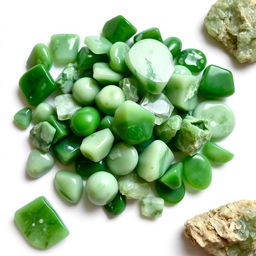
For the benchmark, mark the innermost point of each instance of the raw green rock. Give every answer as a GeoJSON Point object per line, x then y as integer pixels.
{"type": "Point", "coordinates": [152, 207]}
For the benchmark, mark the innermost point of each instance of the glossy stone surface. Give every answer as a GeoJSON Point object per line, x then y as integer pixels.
{"type": "Point", "coordinates": [69, 186]}
{"type": "Point", "coordinates": [98, 44]}
{"type": "Point", "coordinates": [97, 145]}
{"type": "Point", "coordinates": [159, 105]}
{"type": "Point", "coordinates": [182, 70]}
{"type": "Point", "coordinates": [39, 163]}
{"type": "Point", "coordinates": [118, 29]}
{"type": "Point", "coordinates": [152, 207]}
{"type": "Point", "coordinates": [42, 136]}
{"type": "Point", "coordinates": [106, 122]}
{"type": "Point", "coordinates": [117, 54]}
{"type": "Point", "coordinates": [64, 48]}
{"type": "Point", "coordinates": [101, 188]}
{"type": "Point", "coordinates": [132, 123]}
{"type": "Point", "coordinates": [37, 84]}
{"type": "Point", "coordinates": [23, 118]}
{"type": "Point", "coordinates": [117, 205]}
{"type": "Point", "coordinates": [153, 33]}
{"type": "Point", "coordinates": [129, 89]}
{"type": "Point", "coordinates": [174, 45]}
{"type": "Point", "coordinates": [40, 224]}
{"type": "Point", "coordinates": [42, 112]}
{"type": "Point", "coordinates": [40, 54]}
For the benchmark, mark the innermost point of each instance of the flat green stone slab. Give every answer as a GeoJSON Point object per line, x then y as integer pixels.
{"type": "Point", "coordinates": [40, 224]}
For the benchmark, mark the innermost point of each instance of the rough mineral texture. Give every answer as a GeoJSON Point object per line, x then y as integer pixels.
{"type": "Point", "coordinates": [229, 230]}
{"type": "Point", "coordinates": [233, 23]}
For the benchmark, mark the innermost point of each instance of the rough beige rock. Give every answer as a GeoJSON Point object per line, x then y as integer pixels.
{"type": "Point", "coordinates": [233, 23]}
{"type": "Point", "coordinates": [229, 230]}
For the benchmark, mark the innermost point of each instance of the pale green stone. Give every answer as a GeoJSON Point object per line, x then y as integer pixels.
{"type": "Point", "coordinates": [69, 186]}
{"type": "Point", "coordinates": [98, 44]}
{"type": "Point", "coordinates": [104, 74]}
{"type": "Point", "coordinates": [65, 106]}
{"type": "Point", "coordinates": [129, 89]}
{"type": "Point", "coordinates": [152, 207]}
{"type": "Point", "coordinates": [38, 163]}
{"type": "Point", "coordinates": [42, 112]}
{"type": "Point", "coordinates": [154, 161]}
{"type": "Point", "coordinates": [97, 145]}
{"type": "Point", "coordinates": [42, 135]}
{"type": "Point", "coordinates": [133, 187]}
{"type": "Point", "coordinates": [181, 70]}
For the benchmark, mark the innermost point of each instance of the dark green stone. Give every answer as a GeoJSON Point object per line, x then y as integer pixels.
{"type": "Point", "coordinates": [117, 205]}
{"type": "Point", "coordinates": [23, 118]}
{"type": "Point", "coordinates": [174, 45]}
{"type": "Point", "coordinates": [106, 122]}
{"type": "Point", "coordinates": [153, 33]}
{"type": "Point", "coordinates": [140, 147]}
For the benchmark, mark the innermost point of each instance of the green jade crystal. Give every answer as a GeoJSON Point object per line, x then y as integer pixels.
{"type": "Point", "coordinates": [152, 207]}
{"type": "Point", "coordinates": [153, 33]}
{"type": "Point", "coordinates": [23, 118]}
{"type": "Point", "coordinates": [129, 88]}
{"type": "Point", "coordinates": [174, 45]}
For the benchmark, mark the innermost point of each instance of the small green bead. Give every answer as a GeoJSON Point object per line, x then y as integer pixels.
{"type": "Point", "coordinates": [193, 59]}
{"type": "Point", "coordinates": [64, 48]}
{"type": "Point", "coordinates": [152, 207]}
{"type": "Point", "coordinates": [170, 196]}
{"type": "Point", "coordinates": [86, 167]}
{"type": "Point", "coordinates": [98, 44]}
{"type": "Point", "coordinates": [109, 99]}
{"type": "Point", "coordinates": [117, 54]}
{"type": "Point", "coordinates": [85, 90]}
{"type": "Point", "coordinates": [40, 54]}
{"type": "Point", "coordinates": [85, 121]}
{"type": "Point", "coordinates": [216, 154]}
{"type": "Point", "coordinates": [37, 84]}
{"type": "Point", "coordinates": [153, 33]}
{"type": "Point", "coordinates": [68, 149]}
{"type": "Point", "coordinates": [118, 29]}
{"type": "Point", "coordinates": [40, 224]}
{"type": "Point", "coordinates": [197, 171]}
{"type": "Point", "coordinates": [106, 122]}
{"type": "Point", "coordinates": [38, 163]}
{"type": "Point", "coordinates": [23, 118]}
{"type": "Point", "coordinates": [174, 45]}
{"type": "Point", "coordinates": [173, 176]}
{"type": "Point", "coordinates": [216, 82]}
{"type": "Point", "coordinates": [42, 112]}
{"type": "Point", "coordinates": [69, 186]}
{"type": "Point", "coordinates": [117, 205]}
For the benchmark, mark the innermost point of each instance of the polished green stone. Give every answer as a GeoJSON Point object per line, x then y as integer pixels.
{"type": "Point", "coordinates": [98, 44]}
{"type": "Point", "coordinates": [153, 33]}
{"type": "Point", "coordinates": [64, 48]}
{"type": "Point", "coordinates": [216, 82]}
{"type": "Point", "coordinates": [174, 45]}
{"type": "Point", "coordinates": [129, 88]}
{"type": "Point", "coordinates": [68, 149]}
{"type": "Point", "coordinates": [118, 29]}
{"type": "Point", "coordinates": [37, 84]}
{"type": "Point", "coordinates": [40, 54]}
{"type": "Point", "coordinates": [152, 207]}
{"type": "Point", "coordinates": [42, 112]}
{"type": "Point", "coordinates": [132, 123]}
{"type": "Point", "coordinates": [117, 205]}
{"type": "Point", "coordinates": [69, 186]}
{"type": "Point", "coordinates": [106, 122]}
{"type": "Point", "coordinates": [141, 146]}
{"type": "Point", "coordinates": [182, 70]}
{"type": "Point", "coordinates": [40, 224]}
{"type": "Point", "coordinates": [23, 118]}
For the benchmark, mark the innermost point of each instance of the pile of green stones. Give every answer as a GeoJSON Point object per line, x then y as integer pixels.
{"type": "Point", "coordinates": [123, 110]}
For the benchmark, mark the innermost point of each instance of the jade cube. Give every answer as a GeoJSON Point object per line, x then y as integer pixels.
{"type": "Point", "coordinates": [40, 224]}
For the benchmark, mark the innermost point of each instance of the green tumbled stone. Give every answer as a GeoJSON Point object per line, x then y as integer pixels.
{"type": "Point", "coordinates": [117, 205]}
{"type": "Point", "coordinates": [182, 70]}
{"type": "Point", "coordinates": [118, 29]}
{"type": "Point", "coordinates": [153, 33]}
{"type": "Point", "coordinates": [40, 54]}
{"type": "Point", "coordinates": [23, 118]}
{"type": "Point", "coordinates": [174, 45]}
{"type": "Point", "coordinates": [140, 147]}
{"type": "Point", "coordinates": [64, 48]}
{"type": "Point", "coordinates": [98, 44]}
{"type": "Point", "coordinates": [106, 122]}
{"type": "Point", "coordinates": [37, 84]}
{"type": "Point", "coordinates": [152, 207]}
{"type": "Point", "coordinates": [129, 88]}
{"type": "Point", "coordinates": [40, 224]}
{"type": "Point", "coordinates": [42, 112]}
{"type": "Point", "coordinates": [69, 186]}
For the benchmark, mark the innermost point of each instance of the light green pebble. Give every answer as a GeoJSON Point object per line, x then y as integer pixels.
{"type": "Point", "coordinates": [117, 55]}
{"type": "Point", "coordinates": [109, 99]}
{"type": "Point", "coordinates": [181, 70]}
{"type": "Point", "coordinates": [85, 90]}
{"type": "Point", "coordinates": [69, 186]}
{"type": "Point", "coordinates": [101, 188]}
{"type": "Point", "coordinates": [122, 159]}
{"type": "Point", "coordinates": [42, 112]}
{"type": "Point", "coordinates": [65, 106]}
{"type": "Point", "coordinates": [104, 74]}
{"type": "Point", "coordinates": [97, 145]}
{"type": "Point", "coordinates": [133, 187]}
{"type": "Point", "coordinates": [38, 163]}
{"type": "Point", "coordinates": [98, 44]}
{"type": "Point", "coordinates": [154, 161]}
{"type": "Point", "coordinates": [152, 207]}
{"type": "Point", "coordinates": [42, 135]}
{"type": "Point", "coordinates": [23, 118]}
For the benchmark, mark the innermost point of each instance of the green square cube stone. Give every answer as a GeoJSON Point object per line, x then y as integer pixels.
{"type": "Point", "coordinates": [40, 224]}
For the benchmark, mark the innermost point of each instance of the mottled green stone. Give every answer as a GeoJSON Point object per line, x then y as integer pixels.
{"type": "Point", "coordinates": [153, 33]}
{"type": "Point", "coordinates": [23, 118]}
{"type": "Point", "coordinates": [98, 44]}
{"type": "Point", "coordinates": [152, 207]}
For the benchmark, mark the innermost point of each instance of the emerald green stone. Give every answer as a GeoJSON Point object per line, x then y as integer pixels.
{"type": "Point", "coordinates": [118, 29]}
{"type": "Point", "coordinates": [42, 112]}
{"type": "Point", "coordinates": [174, 45]}
{"type": "Point", "coordinates": [152, 207]}
{"type": "Point", "coordinates": [117, 205]}
{"type": "Point", "coordinates": [132, 123]}
{"type": "Point", "coordinates": [68, 149]}
{"type": "Point", "coordinates": [23, 118]}
{"type": "Point", "coordinates": [64, 48]}
{"type": "Point", "coordinates": [98, 44]}
{"type": "Point", "coordinates": [106, 122]}
{"type": "Point", "coordinates": [153, 33]}
{"type": "Point", "coordinates": [69, 186]}
{"type": "Point", "coordinates": [40, 54]}
{"type": "Point", "coordinates": [216, 82]}
{"type": "Point", "coordinates": [129, 88]}
{"type": "Point", "coordinates": [37, 84]}
{"type": "Point", "coordinates": [40, 224]}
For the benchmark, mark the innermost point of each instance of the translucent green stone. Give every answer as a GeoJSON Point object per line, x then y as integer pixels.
{"type": "Point", "coordinates": [42, 112]}
{"type": "Point", "coordinates": [174, 45]}
{"type": "Point", "coordinates": [106, 122]}
{"type": "Point", "coordinates": [129, 89]}
{"type": "Point", "coordinates": [23, 118]}
{"type": "Point", "coordinates": [153, 33]}
{"type": "Point", "coordinates": [117, 205]}
{"type": "Point", "coordinates": [152, 207]}
{"type": "Point", "coordinates": [40, 224]}
{"type": "Point", "coordinates": [98, 44]}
